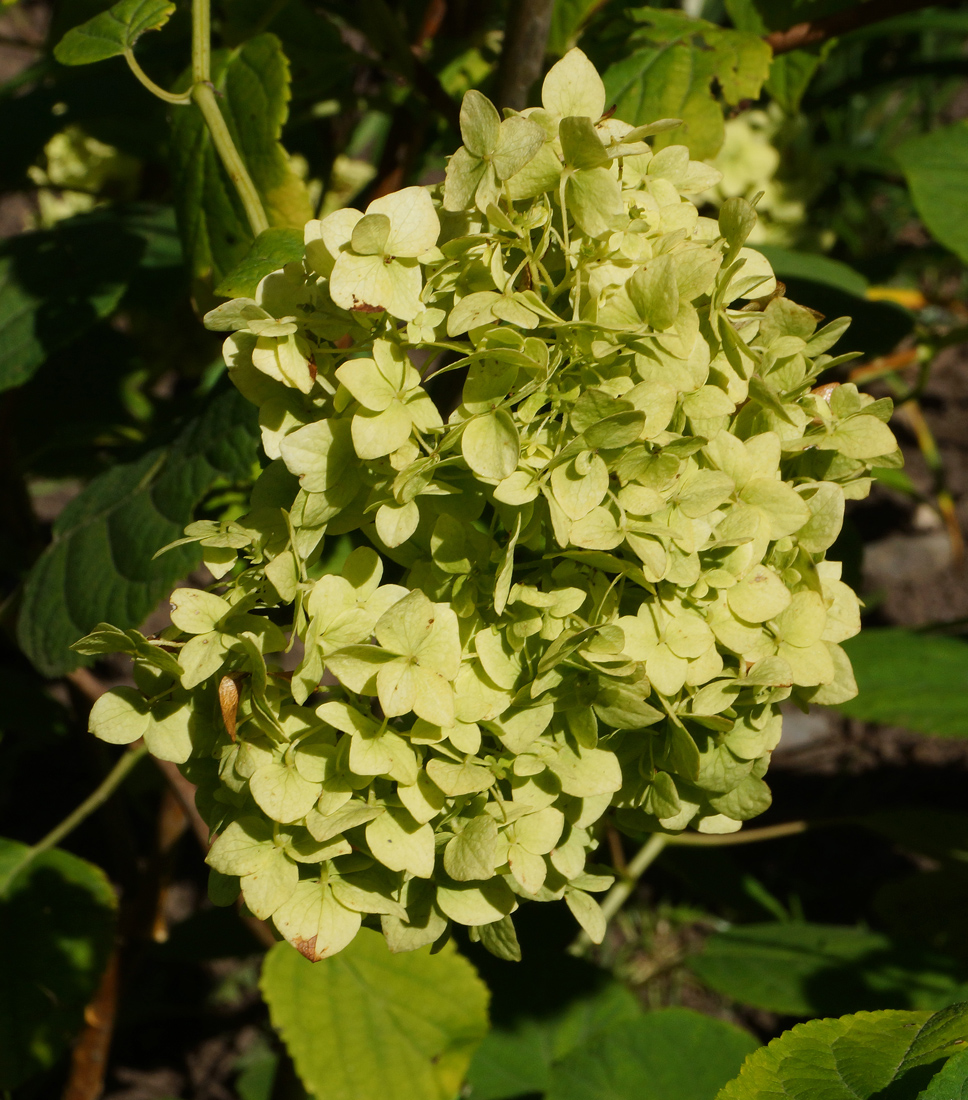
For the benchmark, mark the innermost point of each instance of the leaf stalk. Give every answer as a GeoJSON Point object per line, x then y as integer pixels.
{"type": "Point", "coordinates": [93, 802]}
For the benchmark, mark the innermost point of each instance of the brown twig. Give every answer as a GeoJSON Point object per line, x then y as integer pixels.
{"type": "Point", "coordinates": [815, 31]}
{"type": "Point", "coordinates": [522, 59]}
{"type": "Point", "coordinates": [89, 1058]}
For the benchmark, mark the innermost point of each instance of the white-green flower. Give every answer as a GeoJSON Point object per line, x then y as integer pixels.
{"type": "Point", "coordinates": [377, 253]}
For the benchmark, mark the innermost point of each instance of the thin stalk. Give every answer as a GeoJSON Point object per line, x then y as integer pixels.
{"type": "Point", "coordinates": [619, 893]}
{"type": "Point", "coordinates": [744, 836]}
{"type": "Point", "coordinates": [179, 98]}
{"type": "Point", "coordinates": [93, 802]}
{"type": "Point", "coordinates": [234, 165]}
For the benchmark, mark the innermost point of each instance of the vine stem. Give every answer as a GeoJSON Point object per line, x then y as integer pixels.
{"type": "Point", "coordinates": [93, 802]}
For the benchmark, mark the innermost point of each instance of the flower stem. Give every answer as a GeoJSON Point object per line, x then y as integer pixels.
{"type": "Point", "coordinates": [618, 895]}
{"type": "Point", "coordinates": [94, 801]}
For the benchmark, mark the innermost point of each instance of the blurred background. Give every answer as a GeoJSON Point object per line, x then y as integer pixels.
{"type": "Point", "coordinates": [849, 120]}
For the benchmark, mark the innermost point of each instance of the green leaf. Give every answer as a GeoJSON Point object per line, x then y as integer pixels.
{"type": "Point", "coordinates": [56, 283]}
{"type": "Point", "coordinates": [567, 18]}
{"type": "Point", "coordinates": [252, 83]}
{"type": "Point", "coordinates": [801, 969]}
{"type": "Point", "coordinates": [950, 1082]}
{"type": "Point", "coordinates": [101, 566]}
{"type": "Point", "coordinates": [916, 681]}
{"type": "Point", "coordinates": [513, 1061]}
{"type": "Point", "coordinates": [852, 1058]}
{"type": "Point", "coordinates": [57, 925]}
{"type": "Point", "coordinates": [813, 266]}
{"type": "Point", "coordinates": [790, 75]}
{"type": "Point", "coordinates": [670, 75]}
{"type": "Point", "coordinates": [272, 249]}
{"type": "Point", "coordinates": [368, 1025]}
{"type": "Point", "coordinates": [935, 166]}
{"type": "Point", "coordinates": [113, 32]}
{"type": "Point", "coordinates": [669, 1054]}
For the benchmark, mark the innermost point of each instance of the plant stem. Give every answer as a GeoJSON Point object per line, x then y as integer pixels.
{"type": "Point", "coordinates": [180, 98]}
{"type": "Point", "coordinates": [204, 96]}
{"type": "Point", "coordinates": [745, 836]}
{"type": "Point", "coordinates": [201, 42]}
{"type": "Point", "coordinates": [618, 895]}
{"type": "Point", "coordinates": [94, 801]}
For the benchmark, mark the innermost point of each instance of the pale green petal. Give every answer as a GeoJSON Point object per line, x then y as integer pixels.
{"type": "Point", "coordinates": [414, 225]}
{"type": "Point", "coordinates": [573, 87]}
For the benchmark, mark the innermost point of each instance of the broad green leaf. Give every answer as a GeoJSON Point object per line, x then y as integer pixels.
{"type": "Point", "coordinates": [369, 1025]}
{"type": "Point", "coordinates": [950, 1082]}
{"type": "Point", "coordinates": [567, 18]}
{"type": "Point", "coordinates": [252, 83]}
{"type": "Point", "coordinates": [916, 681]}
{"type": "Point", "coordinates": [112, 32]}
{"type": "Point", "coordinates": [56, 283]}
{"type": "Point", "coordinates": [670, 73]}
{"type": "Point", "coordinates": [669, 1054]}
{"type": "Point", "coordinates": [57, 921]}
{"type": "Point", "coordinates": [852, 1058]}
{"type": "Point", "coordinates": [935, 165]}
{"type": "Point", "coordinates": [801, 969]}
{"type": "Point", "coordinates": [517, 1060]}
{"type": "Point", "coordinates": [101, 564]}
{"type": "Point", "coordinates": [272, 249]}
{"type": "Point", "coordinates": [814, 266]}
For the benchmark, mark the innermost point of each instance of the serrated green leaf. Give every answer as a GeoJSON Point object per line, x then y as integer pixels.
{"type": "Point", "coordinates": [802, 969]}
{"type": "Point", "coordinates": [252, 83]}
{"type": "Point", "coordinates": [672, 1052]}
{"type": "Point", "coordinates": [368, 1025]}
{"type": "Point", "coordinates": [101, 565]}
{"type": "Point", "coordinates": [671, 75]}
{"type": "Point", "coordinates": [113, 32]}
{"type": "Point", "coordinates": [57, 919]}
{"type": "Point", "coordinates": [56, 283]}
{"type": "Point", "coordinates": [851, 1058]}
{"type": "Point", "coordinates": [272, 249]}
{"type": "Point", "coordinates": [515, 1061]}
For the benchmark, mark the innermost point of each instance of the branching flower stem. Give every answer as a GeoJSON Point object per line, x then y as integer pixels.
{"type": "Point", "coordinates": [93, 802]}
{"type": "Point", "coordinates": [653, 848]}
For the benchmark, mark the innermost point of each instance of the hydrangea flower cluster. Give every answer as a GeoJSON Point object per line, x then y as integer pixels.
{"type": "Point", "coordinates": [581, 585]}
